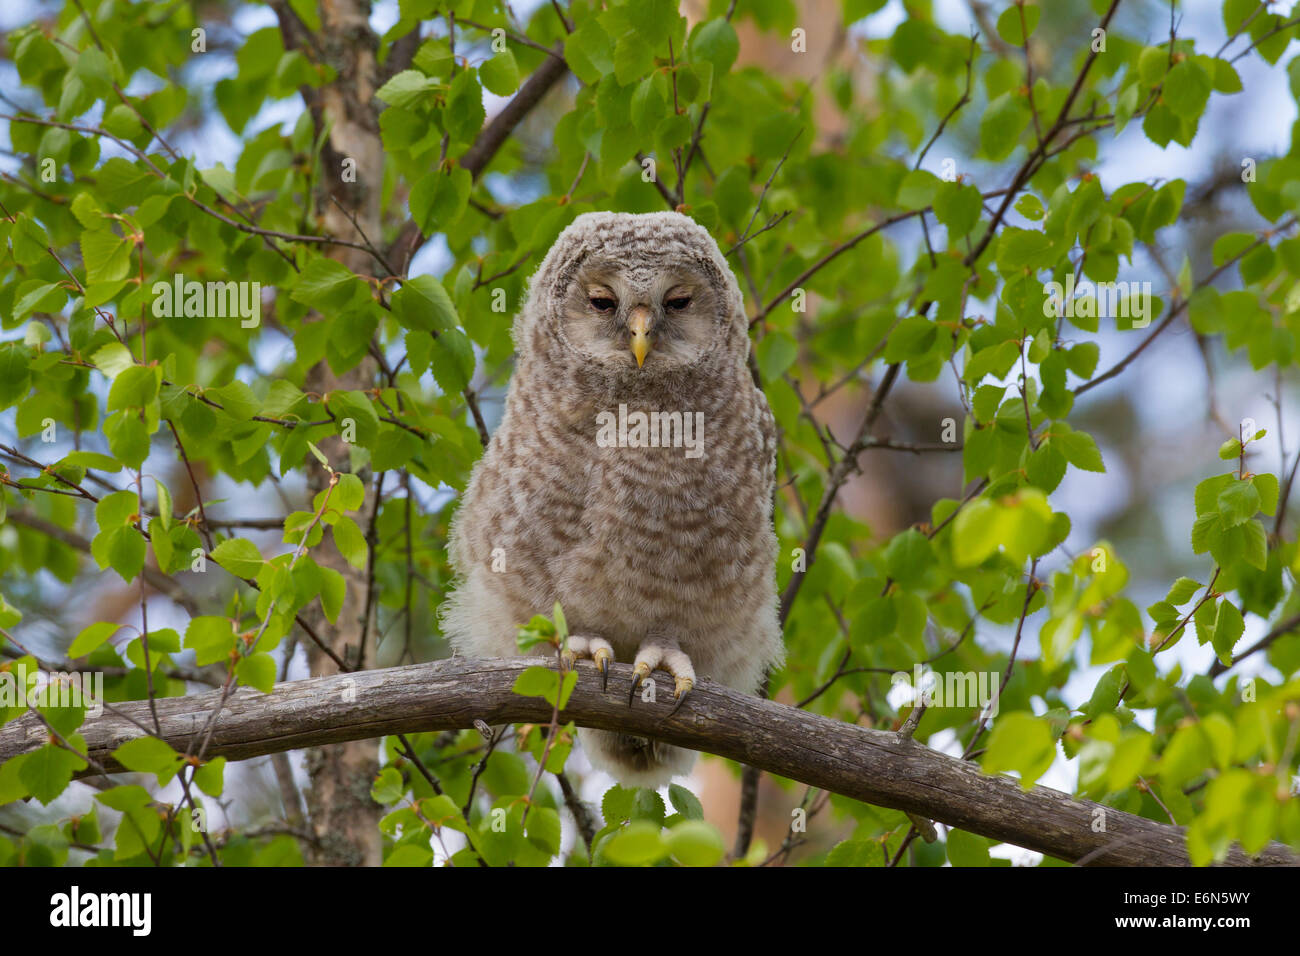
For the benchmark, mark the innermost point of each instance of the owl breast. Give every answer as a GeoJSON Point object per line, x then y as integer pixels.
{"type": "Point", "coordinates": [675, 542]}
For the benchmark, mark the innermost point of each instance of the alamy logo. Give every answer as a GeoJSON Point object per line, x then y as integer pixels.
{"type": "Point", "coordinates": [953, 689]}
{"type": "Point", "coordinates": [74, 908]}
{"type": "Point", "coordinates": [651, 430]}
{"type": "Point", "coordinates": [220, 300]}
{"type": "Point", "coordinates": [23, 687]}
{"type": "Point", "coordinates": [1129, 300]}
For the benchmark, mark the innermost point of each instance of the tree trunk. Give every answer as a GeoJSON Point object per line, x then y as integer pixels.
{"type": "Point", "coordinates": [343, 816]}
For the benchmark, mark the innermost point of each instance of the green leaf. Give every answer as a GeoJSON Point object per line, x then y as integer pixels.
{"type": "Point", "coordinates": [1266, 487]}
{"type": "Point", "coordinates": [1187, 89]}
{"type": "Point", "coordinates": [500, 74]}
{"type": "Point", "coordinates": [14, 374]}
{"type": "Point", "coordinates": [957, 206]}
{"type": "Point", "coordinates": [1001, 125]}
{"type": "Point", "coordinates": [544, 830]}
{"type": "Point", "coordinates": [967, 849]}
{"type": "Point", "coordinates": [1228, 628]}
{"type": "Point", "coordinates": [407, 89]}
{"type": "Point", "coordinates": [128, 439]}
{"type": "Point", "coordinates": [617, 804]}
{"type": "Point", "coordinates": [1020, 742]}
{"type": "Point", "coordinates": [695, 843]}
{"type": "Point", "coordinates": [210, 777]}
{"type": "Point", "coordinates": [113, 359]}
{"type": "Point", "coordinates": [388, 786]}
{"type": "Point", "coordinates": [92, 637]}
{"type": "Point", "coordinates": [685, 802]}
{"type": "Point", "coordinates": [1017, 23]}
{"type": "Point", "coordinates": [409, 855]}
{"type": "Point", "coordinates": [9, 615]}
{"type": "Point", "coordinates": [776, 352]}
{"type": "Point", "coordinates": [536, 682]}
{"type": "Point", "coordinates": [975, 532]}
{"type": "Point", "coordinates": [211, 638]}
{"type": "Point", "coordinates": [638, 844]}
{"type": "Point", "coordinates": [125, 798]}
{"type": "Point", "coordinates": [106, 255]}
{"type": "Point", "coordinates": [349, 493]}
{"type": "Point", "coordinates": [1022, 249]}
{"type": "Point", "coordinates": [350, 542]}
{"type": "Point", "coordinates": [1237, 503]}
{"type": "Point", "coordinates": [856, 853]}
{"type": "Point", "coordinates": [135, 387]}
{"type": "Point", "coordinates": [1020, 525]}
{"type": "Point", "coordinates": [464, 113]}
{"type": "Point", "coordinates": [423, 303]}
{"type": "Point", "coordinates": [47, 297]}
{"type": "Point", "coordinates": [715, 42]}
{"type": "Point", "coordinates": [1207, 493]}
{"type": "Point", "coordinates": [908, 557]}
{"type": "Point", "coordinates": [123, 549]}
{"type": "Point", "coordinates": [46, 772]}
{"type": "Point", "coordinates": [917, 189]}
{"type": "Point", "coordinates": [1182, 590]}
{"type": "Point", "coordinates": [589, 51]}
{"type": "Point", "coordinates": [1153, 63]}
{"type": "Point", "coordinates": [452, 361]}
{"type": "Point", "coordinates": [332, 591]}
{"type": "Point", "coordinates": [438, 200]}
{"type": "Point", "coordinates": [257, 670]}
{"type": "Point", "coordinates": [239, 556]}
{"type": "Point", "coordinates": [237, 400]}
{"type": "Point", "coordinates": [355, 408]}
{"type": "Point", "coordinates": [326, 285]}
{"type": "Point", "coordinates": [149, 755]}
{"type": "Point", "coordinates": [1080, 450]}
{"type": "Point", "coordinates": [1030, 206]}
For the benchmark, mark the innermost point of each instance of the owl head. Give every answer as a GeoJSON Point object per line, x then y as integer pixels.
{"type": "Point", "coordinates": [635, 296]}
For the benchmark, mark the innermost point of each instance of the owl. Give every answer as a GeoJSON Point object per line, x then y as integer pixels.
{"type": "Point", "coordinates": [631, 478]}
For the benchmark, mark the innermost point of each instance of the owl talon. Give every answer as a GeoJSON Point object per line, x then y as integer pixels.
{"type": "Point", "coordinates": [601, 658]}
{"type": "Point", "coordinates": [597, 649]}
{"type": "Point", "coordinates": [664, 654]}
{"type": "Point", "coordinates": [684, 685]}
{"type": "Point", "coordinates": [641, 673]}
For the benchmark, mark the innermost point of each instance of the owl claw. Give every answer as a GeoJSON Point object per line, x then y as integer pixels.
{"type": "Point", "coordinates": [641, 673]}
{"type": "Point", "coordinates": [668, 656]}
{"type": "Point", "coordinates": [597, 649]}
{"type": "Point", "coordinates": [684, 685]}
{"type": "Point", "coordinates": [602, 658]}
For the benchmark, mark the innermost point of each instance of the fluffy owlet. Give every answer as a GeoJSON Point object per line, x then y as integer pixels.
{"type": "Point", "coordinates": [631, 478]}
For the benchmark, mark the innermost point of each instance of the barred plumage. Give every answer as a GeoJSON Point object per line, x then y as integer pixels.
{"type": "Point", "coordinates": [658, 553]}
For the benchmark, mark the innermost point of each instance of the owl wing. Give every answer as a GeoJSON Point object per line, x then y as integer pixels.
{"type": "Point", "coordinates": [767, 432]}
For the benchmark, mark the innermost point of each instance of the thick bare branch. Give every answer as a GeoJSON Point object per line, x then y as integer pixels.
{"type": "Point", "coordinates": [875, 766]}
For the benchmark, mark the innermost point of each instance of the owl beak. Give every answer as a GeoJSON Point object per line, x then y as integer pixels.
{"type": "Point", "coordinates": [639, 323]}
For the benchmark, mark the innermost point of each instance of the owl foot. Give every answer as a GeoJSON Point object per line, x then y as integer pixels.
{"type": "Point", "coordinates": [597, 649]}
{"type": "Point", "coordinates": [671, 658]}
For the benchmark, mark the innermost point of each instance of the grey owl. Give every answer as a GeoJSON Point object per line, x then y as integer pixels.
{"type": "Point", "coordinates": [653, 531]}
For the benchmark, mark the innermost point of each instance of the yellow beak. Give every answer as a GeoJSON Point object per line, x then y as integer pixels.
{"type": "Point", "coordinates": [639, 323]}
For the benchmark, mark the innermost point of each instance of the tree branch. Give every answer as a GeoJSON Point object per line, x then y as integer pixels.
{"type": "Point", "coordinates": [490, 139]}
{"type": "Point", "coordinates": [875, 766]}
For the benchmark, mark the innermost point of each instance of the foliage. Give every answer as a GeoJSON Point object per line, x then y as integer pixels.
{"type": "Point", "coordinates": [112, 368]}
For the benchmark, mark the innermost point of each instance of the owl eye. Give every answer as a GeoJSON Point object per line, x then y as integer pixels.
{"type": "Point", "coordinates": [602, 303]}
{"type": "Point", "coordinates": [678, 303]}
